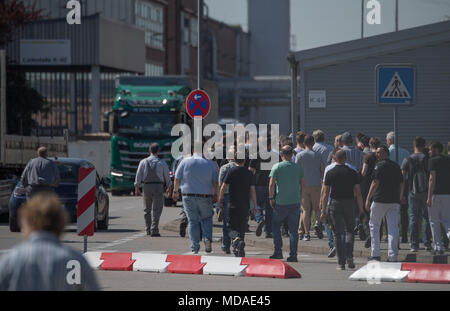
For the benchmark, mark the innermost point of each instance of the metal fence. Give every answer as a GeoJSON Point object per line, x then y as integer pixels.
{"type": "Point", "coordinates": [57, 88]}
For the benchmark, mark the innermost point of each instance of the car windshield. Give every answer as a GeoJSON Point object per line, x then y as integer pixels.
{"type": "Point", "coordinates": [68, 172]}
{"type": "Point", "coordinates": [146, 124]}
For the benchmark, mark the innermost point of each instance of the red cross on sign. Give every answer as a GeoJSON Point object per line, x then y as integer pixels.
{"type": "Point", "coordinates": [198, 104]}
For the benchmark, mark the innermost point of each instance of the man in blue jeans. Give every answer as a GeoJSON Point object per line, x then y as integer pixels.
{"type": "Point", "coordinates": [415, 172]}
{"type": "Point", "coordinates": [197, 178]}
{"type": "Point", "coordinates": [226, 242]}
{"type": "Point", "coordinates": [286, 180]}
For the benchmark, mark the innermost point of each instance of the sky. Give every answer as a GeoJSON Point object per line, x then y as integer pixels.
{"type": "Point", "coordinates": [322, 22]}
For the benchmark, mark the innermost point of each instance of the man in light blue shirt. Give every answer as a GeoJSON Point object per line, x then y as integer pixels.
{"type": "Point", "coordinates": [197, 178]}
{"type": "Point", "coordinates": [354, 156]}
{"type": "Point", "coordinates": [320, 147]}
{"type": "Point", "coordinates": [402, 153]}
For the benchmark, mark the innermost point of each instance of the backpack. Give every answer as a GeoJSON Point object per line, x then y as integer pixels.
{"type": "Point", "coordinates": [419, 179]}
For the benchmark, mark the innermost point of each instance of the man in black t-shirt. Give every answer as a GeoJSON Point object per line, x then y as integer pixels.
{"type": "Point", "coordinates": [438, 201]}
{"type": "Point", "coordinates": [386, 191]}
{"type": "Point", "coordinates": [264, 220]}
{"type": "Point", "coordinates": [344, 185]}
{"type": "Point", "coordinates": [241, 184]}
{"type": "Point", "coordinates": [369, 162]}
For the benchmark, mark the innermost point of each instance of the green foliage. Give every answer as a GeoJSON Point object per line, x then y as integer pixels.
{"type": "Point", "coordinates": [22, 102]}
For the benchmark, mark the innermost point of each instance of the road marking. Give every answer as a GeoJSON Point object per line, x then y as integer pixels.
{"type": "Point", "coordinates": [121, 241]}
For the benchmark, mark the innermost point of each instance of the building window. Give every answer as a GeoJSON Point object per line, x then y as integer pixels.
{"type": "Point", "coordinates": [154, 70]}
{"type": "Point", "coordinates": [189, 26]}
{"type": "Point", "coordinates": [150, 17]}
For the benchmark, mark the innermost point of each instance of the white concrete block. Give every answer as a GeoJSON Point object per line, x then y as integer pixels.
{"type": "Point", "coordinates": [148, 262]}
{"type": "Point", "coordinates": [375, 272]}
{"type": "Point", "coordinates": [223, 265]}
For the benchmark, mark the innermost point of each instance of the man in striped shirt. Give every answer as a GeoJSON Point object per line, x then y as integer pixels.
{"type": "Point", "coordinates": [354, 156]}
{"type": "Point", "coordinates": [41, 262]}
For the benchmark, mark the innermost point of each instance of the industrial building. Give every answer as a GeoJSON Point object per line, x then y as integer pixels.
{"type": "Point", "coordinates": [74, 66]}
{"type": "Point", "coordinates": [343, 77]}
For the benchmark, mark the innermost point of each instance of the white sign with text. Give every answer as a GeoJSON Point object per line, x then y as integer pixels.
{"type": "Point", "coordinates": [318, 99]}
{"type": "Point", "coordinates": [45, 52]}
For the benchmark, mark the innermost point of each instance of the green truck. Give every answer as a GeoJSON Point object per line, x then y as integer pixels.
{"type": "Point", "coordinates": [145, 110]}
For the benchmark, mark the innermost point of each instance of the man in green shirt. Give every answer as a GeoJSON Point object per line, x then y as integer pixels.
{"type": "Point", "coordinates": [287, 179]}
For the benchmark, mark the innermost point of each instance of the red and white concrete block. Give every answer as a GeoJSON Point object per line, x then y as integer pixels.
{"type": "Point", "coordinates": [375, 272]}
{"type": "Point", "coordinates": [189, 264]}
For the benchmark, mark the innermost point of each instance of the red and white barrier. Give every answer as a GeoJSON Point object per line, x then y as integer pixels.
{"type": "Point", "coordinates": [189, 264]}
{"type": "Point", "coordinates": [86, 201]}
{"type": "Point", "coordinates": [375, 272]}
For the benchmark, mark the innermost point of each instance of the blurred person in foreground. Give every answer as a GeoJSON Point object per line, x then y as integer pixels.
{"type": "Point", "coordinates": [41, 262]}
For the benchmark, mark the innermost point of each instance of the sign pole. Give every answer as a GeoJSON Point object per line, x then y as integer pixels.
{"type": "Point", "coordinates": [199, 44]}
{"type": "Point", "coordinates": [396, 133]}
{"type": "Point", "coordinates": [85, 243]}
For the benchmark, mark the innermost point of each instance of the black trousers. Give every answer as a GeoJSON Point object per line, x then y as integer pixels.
{"type": "Point", "coordinates": [341, 213]}
{"type": "Point", "coordinates": [237, 222]}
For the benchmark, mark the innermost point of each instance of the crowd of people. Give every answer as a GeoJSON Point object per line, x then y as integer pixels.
{"type": "Point", "coordinates": [347, 190]}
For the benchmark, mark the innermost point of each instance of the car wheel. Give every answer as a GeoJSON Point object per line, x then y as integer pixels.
{"type": "Point", "coordinates": [13, 226]}
{"type": "Point", "coordinates": [103, 224]}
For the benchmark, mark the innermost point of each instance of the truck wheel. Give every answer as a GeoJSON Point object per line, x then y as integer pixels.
{"type": "Point", "coordinates": [13, 226]}
{"type": "Point", "coordinates": [116, 193]}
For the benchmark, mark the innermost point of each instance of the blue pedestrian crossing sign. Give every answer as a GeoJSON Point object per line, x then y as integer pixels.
{"type": "Point", "coordinates": [395, 84]}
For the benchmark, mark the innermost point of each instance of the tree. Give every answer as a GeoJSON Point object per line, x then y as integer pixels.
{"type": "Point", "coordinates": [14, 14]}
{"type": "Point", "coordinates": [22, 100]}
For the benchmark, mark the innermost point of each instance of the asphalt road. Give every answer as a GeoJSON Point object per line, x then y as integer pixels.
{"type": "Point", "coordinates": [127, 234]}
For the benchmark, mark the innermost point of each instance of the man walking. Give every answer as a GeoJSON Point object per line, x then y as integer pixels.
{"type": "Point", "coordinates": [287, 179]}
{"type": "Point", "coordinates": [197, 178]}
{"type": "Point", "coordinates": [369, 162]}
{"type": "Point", "coordinates": [264, 210]}
{"type": "Point", "coordinates": [354, 156]}
{"type": "Point", "coordinates": [386, 191]}
{"type": "Point", "coordinates": [415, 172]}
{"type": "Point", "coordinates": [153, 176]}
{"type": "Point", "coordinates": [40, 175]}
{"type": "Point", "coordinates": [226, 242]}
{"type": "Point", "coordinates": [241, 185]}
{"type": "Point", "coordinates": [402, 155]}
{"type": "Point", "coordinates": [313, 168]}
{"type": "Point", "coordinates": [438, 200]}
{"type": "Point", "coordinates": [320, 147]}
{"type": "Point", "coordinates": [342, 185]}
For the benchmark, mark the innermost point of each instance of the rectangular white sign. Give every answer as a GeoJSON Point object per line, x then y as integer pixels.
{"type": "Point", "coordinates": [45, 52]}
{"type": "Point", "coordinates": [318, 99]}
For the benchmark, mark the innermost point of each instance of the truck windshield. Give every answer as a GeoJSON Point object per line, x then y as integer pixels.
{"type": "Point", "coordinates": [145, 124]}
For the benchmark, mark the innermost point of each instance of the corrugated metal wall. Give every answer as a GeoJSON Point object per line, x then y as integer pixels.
{"type": "Point", "coordinates": [84, 39]}
{"type": "Point", "coordinates": [351, 104]}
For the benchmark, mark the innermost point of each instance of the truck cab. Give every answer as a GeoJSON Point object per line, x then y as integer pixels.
{"type": "Point", "coordinates": [144, 112]}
